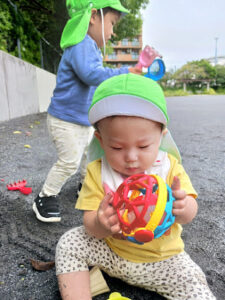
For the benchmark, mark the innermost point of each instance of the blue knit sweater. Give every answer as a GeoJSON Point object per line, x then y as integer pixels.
{"type": "Point", "coordinates": [80, 72]}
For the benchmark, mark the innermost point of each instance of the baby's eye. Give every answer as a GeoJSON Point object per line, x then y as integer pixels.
{"type": "Point", "coordinates": [116, 148]}
{"type": "Point", "coordinates": [144, 146]}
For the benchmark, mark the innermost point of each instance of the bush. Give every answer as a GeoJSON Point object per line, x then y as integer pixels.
{"type": "Point", "coordinates": [173, 92]}
{"type": "Point", "coordinates": [211, 91]}
{"type": "Point", "coordinates": [220, 91]}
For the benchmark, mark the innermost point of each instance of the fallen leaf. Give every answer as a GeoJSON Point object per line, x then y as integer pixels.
{"type": "Point", "coordinates": [17, 132]}
{"type": "Point", "coordinates": [37, 122]}
{"type": "Point", "coordinates": [41, 265]}
{"type": "Point", "coordinates": [27, 146]}
{"type": "Point", "coordinates": [31, 126]}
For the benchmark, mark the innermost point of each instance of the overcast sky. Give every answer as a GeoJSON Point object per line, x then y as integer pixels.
{"type": "Point", "coordinates": [184, 30]}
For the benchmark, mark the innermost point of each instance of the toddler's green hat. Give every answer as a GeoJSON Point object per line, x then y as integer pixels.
{"type": "Point", "coordinates": [80, 14]}
{"type": "Point", "coordinates": [130, 95]}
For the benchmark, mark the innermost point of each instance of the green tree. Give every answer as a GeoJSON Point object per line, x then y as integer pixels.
{"type": "Point", "coordinates": [28, 23]}
{"type": "Point", "coordinates": [208, 68]}
{"type": "Point", "coordinates": [220, 76]}
{"type": "Point", "coordinates": [195, 74]}
{"type": "Point", "coordinates": [41, 20]}
{"type": "Point", "coordinates": [40, 12]}
{"type": "Point", "coordinates": [5, 26]}
{"type": "Point", "coordinates": [200, 69]}
{"type": "Point", "coordinates": [191, 71]}
{"type": "Point", "coordinates": [130, 25]}
{"type": "Point", "coordinates": [34, 17]}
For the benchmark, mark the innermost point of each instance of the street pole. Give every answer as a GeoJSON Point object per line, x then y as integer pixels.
{"type": "Point", "coordinates": [18, 39]}
{"type": "Point", "coordinates": [41, 54]}
{"type": "Point", "coordinates": [216, 39]}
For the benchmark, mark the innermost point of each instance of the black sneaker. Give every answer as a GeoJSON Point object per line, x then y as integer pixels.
{"type": "Point", "coordinates": [47, 209]}
{"type": "Point", "coordinates": [78, 190]}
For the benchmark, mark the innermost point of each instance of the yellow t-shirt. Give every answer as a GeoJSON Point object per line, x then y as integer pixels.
{"type": "Point", "coordinates": [161, 248]}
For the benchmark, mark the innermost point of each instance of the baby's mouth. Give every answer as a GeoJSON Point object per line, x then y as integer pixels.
{"type": "Point", "coordinates": [132, 169]}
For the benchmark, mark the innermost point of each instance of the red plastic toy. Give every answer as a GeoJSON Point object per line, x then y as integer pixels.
{"type": "Point", "coordinates": [19, 186]}
{"type": "Point", "coordinates": [144, 207]}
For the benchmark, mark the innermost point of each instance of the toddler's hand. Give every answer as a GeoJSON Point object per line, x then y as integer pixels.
{"type": "Point", "coordinates": [135, 70]}
{"type": "Point", "coordinates": [107, 216]}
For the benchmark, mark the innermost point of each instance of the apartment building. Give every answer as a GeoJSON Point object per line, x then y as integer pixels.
{"type": "Point", "coordinates": [219, 60]}
{"type": "Point", "coordinates": [125, 52]}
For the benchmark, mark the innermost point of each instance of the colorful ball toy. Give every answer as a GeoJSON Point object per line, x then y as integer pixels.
{"type": "Point", "coordinates": [144, 207]}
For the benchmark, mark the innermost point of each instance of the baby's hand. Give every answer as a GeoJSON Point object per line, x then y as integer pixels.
{"type": "Point", "coordinates": [107, 216]}
{"type": "Point", "coordinates": [180, 205]}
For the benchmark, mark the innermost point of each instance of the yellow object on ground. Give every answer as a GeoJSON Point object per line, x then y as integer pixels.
{"type": "Point", "coordinates": [17, 132]}
{"type": "Point", "coordinates": [117, 296]}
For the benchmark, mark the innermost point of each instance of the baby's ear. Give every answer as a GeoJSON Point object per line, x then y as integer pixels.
{"type": "Point", "coordinates": [164, 132]}
{"type": "Point", "coordinates": [98, 136]}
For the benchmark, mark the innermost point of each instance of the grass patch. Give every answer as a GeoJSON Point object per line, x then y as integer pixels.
{"type": "Point", "coordinates": [181, 92]}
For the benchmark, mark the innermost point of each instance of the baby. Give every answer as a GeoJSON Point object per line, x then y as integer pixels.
{"type": "Point", "coordinates": [130, 116]}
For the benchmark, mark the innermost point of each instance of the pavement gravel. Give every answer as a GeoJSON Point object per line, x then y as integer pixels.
{"type": "Point", "coordinates": [197, 124]}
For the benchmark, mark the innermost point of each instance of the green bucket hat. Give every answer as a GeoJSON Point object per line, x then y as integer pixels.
{"type": "Point", "coordinates": [80, 14]}
{"type": "Point", "coordinates": [130, 95]}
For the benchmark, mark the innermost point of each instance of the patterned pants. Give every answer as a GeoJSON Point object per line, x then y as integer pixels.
{"type": "Point", "coordinates": [175, 278]}
{"type": "Point", "coordinates": [71, 142]}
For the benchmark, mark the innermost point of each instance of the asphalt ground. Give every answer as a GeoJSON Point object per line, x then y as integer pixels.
{"type": "Point", "coordinates": [198, 126]}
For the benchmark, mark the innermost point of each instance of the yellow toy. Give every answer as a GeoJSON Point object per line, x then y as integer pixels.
{"type": "Point", "coordinates": [117, 296]}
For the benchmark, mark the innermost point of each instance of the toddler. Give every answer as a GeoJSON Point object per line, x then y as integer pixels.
{"type": "Point", "coordinates": [80, 71]}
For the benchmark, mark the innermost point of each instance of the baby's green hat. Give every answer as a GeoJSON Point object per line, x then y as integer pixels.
{"type": "Point", "coordinates": [80, 14]}
{"type": "Point", "coordinates": [129, 95]}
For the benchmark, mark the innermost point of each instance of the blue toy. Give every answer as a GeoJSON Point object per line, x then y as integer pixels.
{"type": "Point", "coordinates": [147, 59]}
{"type": "Point", "coordinates": [156, 70]}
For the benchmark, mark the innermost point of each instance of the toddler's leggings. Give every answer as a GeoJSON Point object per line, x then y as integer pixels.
{"type": "Point", "coordinates": [177, 278]}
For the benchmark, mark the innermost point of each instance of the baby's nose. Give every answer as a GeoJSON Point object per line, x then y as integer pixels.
{"type": "Point", "coordinates": [131, 156]}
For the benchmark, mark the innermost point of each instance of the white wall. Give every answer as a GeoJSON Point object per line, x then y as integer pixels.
{"type": "Point", "coordinates": [24, 88]}
{"type": "Point", "coordinates": [45, 84]}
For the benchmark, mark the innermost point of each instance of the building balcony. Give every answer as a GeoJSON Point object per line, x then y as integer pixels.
{"type": "Point", "coordinates": [119, 46]}
{"type": "Point", "coordinates": [125, 52]}
{"type": "Point", "coordinates": [121, 58]}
